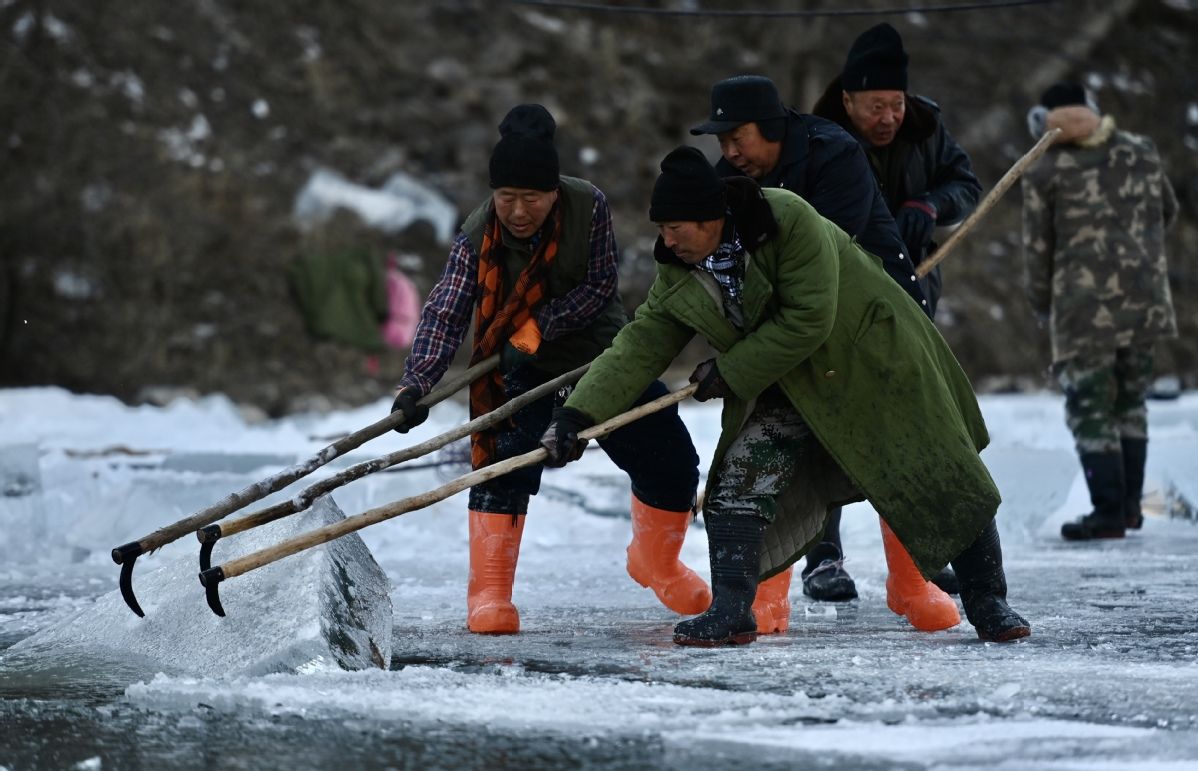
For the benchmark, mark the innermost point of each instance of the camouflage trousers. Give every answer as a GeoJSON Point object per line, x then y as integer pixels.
{"type": "Point", "coordinates": [1104, 397]}
{"type": "Point", "coordinates": [763, 460]}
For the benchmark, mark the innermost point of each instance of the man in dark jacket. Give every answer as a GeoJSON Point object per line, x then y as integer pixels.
{"type": "Point", "coordinates": [820, 162]}
{"type": "Point", "coordinates": [815, 343]}
{"type": "Point", "coordinates": [535, 265]}
{"type": "Point", "coordinates": [925, 176]}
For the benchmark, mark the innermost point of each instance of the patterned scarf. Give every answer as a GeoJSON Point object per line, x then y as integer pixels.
{"type": "Point", "coordinates": [727, 265]}
{"type": "Point", "coordinates": [494, 324]}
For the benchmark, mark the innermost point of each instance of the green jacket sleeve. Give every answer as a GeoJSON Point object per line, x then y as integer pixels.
{"type": "Point", "coordinates": [638, 354]}
{"type": "Point", "coordinates": [805, 290]}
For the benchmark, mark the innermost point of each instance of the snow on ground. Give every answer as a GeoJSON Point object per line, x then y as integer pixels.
{"type": "Point", "coordinates": [1108, 680]}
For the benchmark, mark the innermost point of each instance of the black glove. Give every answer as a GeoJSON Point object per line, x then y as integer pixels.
{"type": "Point", "coordinates": [711, 385]}
{"type": "Point", "coordinates": [561, 440]}
{"type": "Point", "coordinates": [512, 358]}
{"type": "Point", "coordinates": [413, 414]}
{"type": "Point", "coordinates": [916, 220]}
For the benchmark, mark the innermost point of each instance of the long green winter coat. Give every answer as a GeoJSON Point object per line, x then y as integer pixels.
{"type": "Point", "coordinates": [852, 352]}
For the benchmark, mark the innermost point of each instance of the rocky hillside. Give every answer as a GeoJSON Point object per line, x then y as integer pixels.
{"type": "Point", "coordinates": [153, 154]}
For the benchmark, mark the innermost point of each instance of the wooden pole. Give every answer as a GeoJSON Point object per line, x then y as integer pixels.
{"type": "Point", "coordinates": [1008, 179]}
{"type": "Point", "coordinates": [325, 486]}
{"type": "Point", "coordinates": [258, 559]}
{"type": "Point", "coordinates": [265, 487]}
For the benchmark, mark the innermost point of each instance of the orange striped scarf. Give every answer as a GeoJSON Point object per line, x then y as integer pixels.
{"type": "Point", "coordinates": [494, 324]}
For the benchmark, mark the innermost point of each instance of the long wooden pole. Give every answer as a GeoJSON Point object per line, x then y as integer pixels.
{"type": "Point", "coordinates": [304, 499]}
{"type": "Point", "coordinates": [257, 559]}
{"type": "Point", "coordinates": [1008, 179]}
{"type": "Point", "coordinates": [265, 487]}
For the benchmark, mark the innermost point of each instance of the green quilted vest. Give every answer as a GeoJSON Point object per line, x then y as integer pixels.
{"type": "Point", "coordinates": [569, 269]}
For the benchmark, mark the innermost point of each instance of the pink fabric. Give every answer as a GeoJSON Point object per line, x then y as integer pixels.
{"type": "Point", "coordinates": [403, 302]}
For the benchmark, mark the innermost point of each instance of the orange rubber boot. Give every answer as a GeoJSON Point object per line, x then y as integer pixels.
{"type": "Point", "coordinates": [771, 607]}
{"type": "Point", "coordinates": [494, 548]}
{"type": "Point", "coordinates": [653, 561]}
{"type": "Point", "coordinates": [908, 594]}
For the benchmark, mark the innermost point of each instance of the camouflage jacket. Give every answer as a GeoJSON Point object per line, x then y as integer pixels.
{"type": "Point", "coordinates": [1095, 211]}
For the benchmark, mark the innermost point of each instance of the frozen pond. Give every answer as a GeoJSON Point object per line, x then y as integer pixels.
{"type": "Point", "coordinates": [1108, 680]}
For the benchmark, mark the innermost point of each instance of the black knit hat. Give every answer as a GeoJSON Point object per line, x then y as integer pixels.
{"type": "Point", "coordinates": [525, 156]}
{"type": "Point", "coordinates": [876, 62]}
{"type": "Point", "coordinates": [740, 100]}
{"type": "Point", "coordinates": [1063, 95]}
{"type": "Point", "coordinates": [688, 189]}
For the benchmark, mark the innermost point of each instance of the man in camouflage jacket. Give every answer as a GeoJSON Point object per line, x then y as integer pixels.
{"type": "Point", "coordinates": [1095, 210]}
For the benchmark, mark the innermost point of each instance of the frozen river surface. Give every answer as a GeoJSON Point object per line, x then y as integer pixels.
{"type": "Point", "coordinates": [1108, 680]}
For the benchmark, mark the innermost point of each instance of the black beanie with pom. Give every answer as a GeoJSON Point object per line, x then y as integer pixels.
{"type": "Point", "coordinates": [688, 189]}
{"type": "Point", "coordinates": [525, 156]}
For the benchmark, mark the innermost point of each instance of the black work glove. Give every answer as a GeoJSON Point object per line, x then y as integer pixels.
{"type": "Point", "coordinates": [711, 385]}
{"type": "Point", "coordinates": [413, 414]}
{"type": "Point", "coordinates": [916, 220]}
{"type": "Point", "coordinates": [561, 440]}
{"type": "Point", "coordinates": [512, 358]}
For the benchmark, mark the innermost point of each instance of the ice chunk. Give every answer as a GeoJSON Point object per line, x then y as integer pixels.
{"type": "Point", "coordinates": [326, 607]}
{"type": "Point", "coordinates": [1033, 482]}
{"type": "Point", "coordinates": [1179, 504]}
{"type": "Point", "coordinates": [22, 513]}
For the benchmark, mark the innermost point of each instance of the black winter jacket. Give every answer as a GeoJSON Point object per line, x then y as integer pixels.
{"type": "Point", "coordinates": [825, 166]}
{"type": "Point", "coordinates": [930, 167]}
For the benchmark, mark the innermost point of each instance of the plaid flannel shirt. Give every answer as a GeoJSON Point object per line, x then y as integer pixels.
{"type": "Point", "coordinates": [446, 316]}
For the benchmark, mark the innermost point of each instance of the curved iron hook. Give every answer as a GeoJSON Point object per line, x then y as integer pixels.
{"type": "Point", "coordinates": [208, 537]}
{"type": "Point", "coordinates": [126, 556]}
{"type": "Point", "coordinates": [211, 579]}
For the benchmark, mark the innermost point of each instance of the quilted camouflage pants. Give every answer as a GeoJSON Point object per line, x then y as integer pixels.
{"type": "Point", "coordinates": [777, 470]}
{"type": "Point", "coordinates": [1104, 397]}
{"type": "Point", "coordinates": [762, 461]}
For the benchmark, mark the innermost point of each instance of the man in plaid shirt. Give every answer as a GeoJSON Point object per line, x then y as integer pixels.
{"type": "Point", "coordinates": [535, 266]}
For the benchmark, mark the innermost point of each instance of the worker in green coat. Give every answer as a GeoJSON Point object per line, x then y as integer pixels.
{"type": "Point", "coordinates": [836, 388]}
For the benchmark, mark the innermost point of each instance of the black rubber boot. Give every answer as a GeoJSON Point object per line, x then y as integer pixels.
{"type": "Point", "coordinates": [734, 543]}
{"type": "Point", "coordinates": [1104, 477]}
{"type": "Point", "coordinates": [984, 590]}
{"type": "Point", "coordinates": [947, 581]}
{"type": "Point", "coordinates": [1135, 456]}
{"type": "Point", "coordinates": [824, 577]}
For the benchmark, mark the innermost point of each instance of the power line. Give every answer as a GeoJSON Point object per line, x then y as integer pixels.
{"type": "Point", "coordinates": [555, 5]}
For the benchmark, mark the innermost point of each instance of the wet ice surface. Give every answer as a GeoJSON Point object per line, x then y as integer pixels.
{"type": "Point", "coordinates": [1108, 680]}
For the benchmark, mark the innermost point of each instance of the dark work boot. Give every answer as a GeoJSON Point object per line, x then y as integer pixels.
{"type": "Point", "coordinates": [824, 577]}
{"type": "Point", "coordinates": [1135, 456]}
{"type": "Point", "coordinates": [947, 581]}
{"type": "Point", "coordinates": [1104, 477]}
{"type": "Point", "coordinates": [734, 543]}
{"type": "Point", "coordinates": [984, 590]}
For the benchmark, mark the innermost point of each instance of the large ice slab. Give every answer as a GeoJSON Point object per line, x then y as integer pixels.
{"type": "Point", "coordinates": [1173, 472]}
{"type": "Point", "coordinates": [325, 607]}
{"type": "Point", "coordinates": [22, 513]}
{"type": "Point", "coordinates": [1034, 483]}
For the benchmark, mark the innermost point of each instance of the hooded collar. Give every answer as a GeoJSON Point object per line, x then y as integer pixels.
{"type": "Point", "coordinates": [1080, 125]}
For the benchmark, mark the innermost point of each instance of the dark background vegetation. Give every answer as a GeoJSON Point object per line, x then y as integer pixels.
{"type": "Point", "coordinates": [127, 268]}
